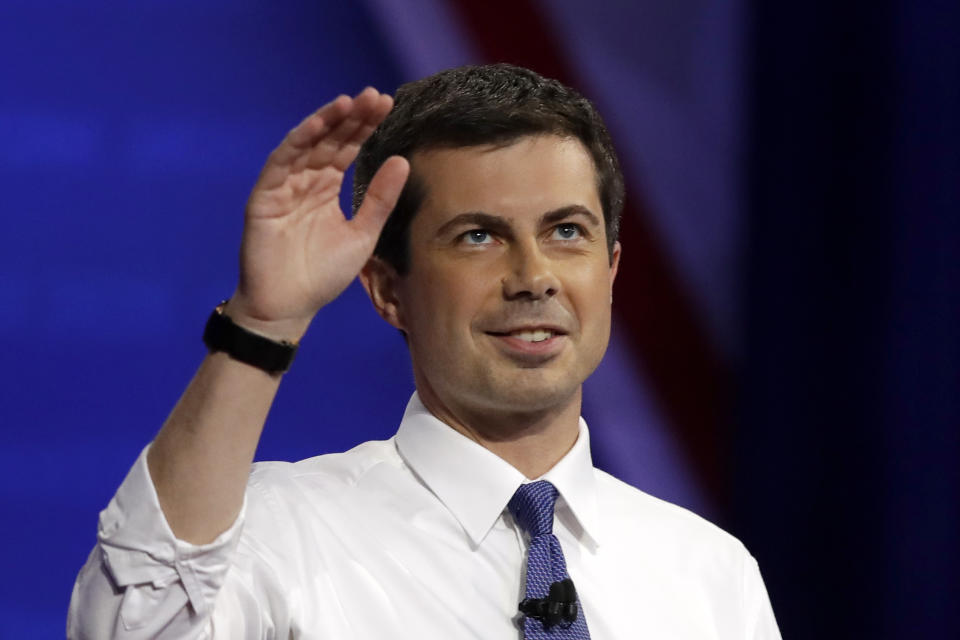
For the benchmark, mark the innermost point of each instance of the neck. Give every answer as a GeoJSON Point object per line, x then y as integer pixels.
{"type": "Point", "coordinates": [532, 441]}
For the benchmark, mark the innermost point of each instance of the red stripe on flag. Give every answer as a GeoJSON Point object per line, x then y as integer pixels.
{"type": "Point", "coordinates": [691, 383]}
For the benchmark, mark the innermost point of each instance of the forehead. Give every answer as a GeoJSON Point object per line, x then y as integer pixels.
{"type": "Point", "coordinates": [524, 178]}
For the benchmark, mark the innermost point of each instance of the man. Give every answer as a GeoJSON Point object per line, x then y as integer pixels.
{"type": "Point", "coordinates": [497, 265]}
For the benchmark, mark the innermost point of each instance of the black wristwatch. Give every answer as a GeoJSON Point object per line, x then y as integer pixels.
{"type": "Point", "coordinates": [221, 334]}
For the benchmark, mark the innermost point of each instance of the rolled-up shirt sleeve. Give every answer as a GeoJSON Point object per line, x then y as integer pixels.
{"type": "Point", "coordinates": [140, 581]}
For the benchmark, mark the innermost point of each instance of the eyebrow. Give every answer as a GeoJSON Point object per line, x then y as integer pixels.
{"type": "Point", "coordinates": [569, 211]}
{"type": "Point", "coordinates": [478, 218]}
{"type": "Point", "coordinates": [500, 224]}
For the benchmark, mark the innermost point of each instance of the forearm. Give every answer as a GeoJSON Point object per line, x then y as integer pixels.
{"type": "Point", "coordinates": [200, 460]}
{"type": "Point", "coordinates": [142, 582]}
{"type": "Point", "coordinates": [299, 252]}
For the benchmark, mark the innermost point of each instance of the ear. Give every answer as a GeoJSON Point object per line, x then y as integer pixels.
{"type": "Point", "coordinates": [381, 283]}
{"type": "Point", "coordinates": [614, 265]}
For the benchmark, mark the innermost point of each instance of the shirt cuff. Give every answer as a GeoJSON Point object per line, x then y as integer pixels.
{"type": "Point", "coordinates": [139, 547]}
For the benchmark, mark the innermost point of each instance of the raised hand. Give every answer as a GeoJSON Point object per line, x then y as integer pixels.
{"type": "Point", "coordinates": [299, 251]}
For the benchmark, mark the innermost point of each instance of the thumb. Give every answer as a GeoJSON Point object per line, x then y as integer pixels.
{"type": "Point", "coordinates": [381, 196]}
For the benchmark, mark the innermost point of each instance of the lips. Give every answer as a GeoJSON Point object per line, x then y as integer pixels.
{"type": "Point", "coordinates": [535, 335]}
{"type": "Point", "coordinates": [530, 345]}
{"type": "Point", "coordinates": [538, 333]}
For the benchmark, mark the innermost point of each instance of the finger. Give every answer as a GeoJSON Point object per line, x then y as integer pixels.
{"type": "Point", "coordinates": [347, 153]}
{"type": "Point", "coordinates": [302, 138]}
{"type": "Point", "coordinates": [381, 196]}
{"type": "Point", "coordinates": [380, 109]}
{"type": "Point", "coordinates": [329, 115]}
{"type": "Point", "coordinates": [317, 140]}
{"type": "Point", "coordinates": [364, 106]}
{"type": "Point", "coordinates": [378, 112]}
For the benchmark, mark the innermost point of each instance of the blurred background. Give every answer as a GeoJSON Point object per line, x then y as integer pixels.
{"type": "Point", "coordinates": [785, 358]}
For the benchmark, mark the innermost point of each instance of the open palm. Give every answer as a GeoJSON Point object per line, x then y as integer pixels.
{"type": "Point", "coordinates": [299, 251]}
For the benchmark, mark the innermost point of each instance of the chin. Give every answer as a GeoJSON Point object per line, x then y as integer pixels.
{"type": "Point", "coordinates": [524, 396]}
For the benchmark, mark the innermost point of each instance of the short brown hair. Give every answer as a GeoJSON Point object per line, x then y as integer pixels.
{"type": "Point", "coordinates": [479, 105]}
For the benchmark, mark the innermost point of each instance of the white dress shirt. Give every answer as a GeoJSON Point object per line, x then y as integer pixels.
{"type": "Point", "coordinates": [411, 538]}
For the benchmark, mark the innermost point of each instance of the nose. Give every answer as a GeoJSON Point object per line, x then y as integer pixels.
{"type": "Point", "coordinates": [530, 275]}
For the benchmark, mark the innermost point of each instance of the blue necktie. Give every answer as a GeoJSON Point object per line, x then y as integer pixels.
{"type": "Point", "coordinates": [532, 507]}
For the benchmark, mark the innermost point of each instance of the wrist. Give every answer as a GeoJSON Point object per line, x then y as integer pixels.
{"type": "Point", "coordinates": [222, 334]}
{"type": "Point", "coordinates": [279, 330]}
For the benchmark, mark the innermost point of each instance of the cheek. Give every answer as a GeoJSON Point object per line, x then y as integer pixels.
{"type": "Point", "coordinates": [589, 293]}
{"type": "Point", "coordinates": [444, 304]}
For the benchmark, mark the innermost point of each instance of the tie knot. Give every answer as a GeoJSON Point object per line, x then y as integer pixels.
{"type": "Point", "coordinates": [532, 507]}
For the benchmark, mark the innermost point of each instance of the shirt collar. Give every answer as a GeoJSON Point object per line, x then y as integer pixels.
{"type": "Point", "coordinates": [475, 484]}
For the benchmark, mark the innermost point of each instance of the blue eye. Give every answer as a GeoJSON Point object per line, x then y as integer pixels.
{"type": "Point", "coordinates": [568, 231]}
{"type": "Point", "coordinates": [477, 236]}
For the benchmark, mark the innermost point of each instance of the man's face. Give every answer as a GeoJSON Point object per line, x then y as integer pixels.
{"type": "Point", "coordinates": [507, 301]}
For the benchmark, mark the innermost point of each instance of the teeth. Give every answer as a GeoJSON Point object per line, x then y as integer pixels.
{"type": "Point", "coordinates": [538, 335]}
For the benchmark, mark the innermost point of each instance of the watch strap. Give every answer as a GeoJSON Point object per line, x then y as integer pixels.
{"type": "Point", "coordinates": [222, 334]}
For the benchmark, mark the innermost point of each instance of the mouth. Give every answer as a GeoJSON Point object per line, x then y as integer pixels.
{"type": "Point", "coordinates": [530, 334]}
{"type": "Point", "coordinates": [531, 346]}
